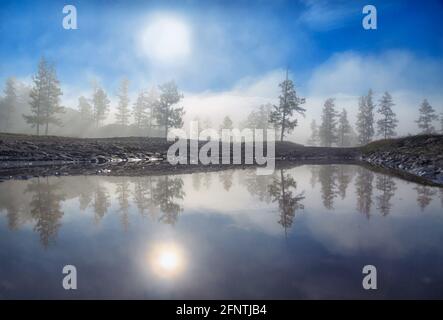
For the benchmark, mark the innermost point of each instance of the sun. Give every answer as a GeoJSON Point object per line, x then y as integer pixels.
{"type": "Point", "coordinates": [165, 39]}
{"type": "Point", "coordinates": [167, 260]}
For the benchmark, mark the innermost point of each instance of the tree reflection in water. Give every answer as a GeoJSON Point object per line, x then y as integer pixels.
{"type": "Point", "coordinates": [327, 176]}
{"type": "Point", "coordinates": [39, 201]}
{"type": "Point", "coordinates": [123, 193]}
{"type": "Point", "coordinates": [45, 208]}
{"type": "Point", "coordinates": [282, 191]}
{"type": "Point", "coordinates": [424, 196]}
{"type": "Point", "coordinates": [100, 201]}
{"type": "Point", "coordinates": [387, 186]}
{"type": "Point", "coordinates": [166, 193]}
{"type": "Point", "coordinates": [363, 188]}
{"type": "Point", "coordinates": [144, 198]}
{"type": "Point", "coordinates": [225, 178]}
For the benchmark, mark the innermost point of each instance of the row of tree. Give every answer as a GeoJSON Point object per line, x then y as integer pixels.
{"type": "Point", "coordinates": [335, 128]}
{"type": "Point", "coordinates": [156, 111]}
{"type": "Point", "coordinates": [149, 110]}
{"type": "Point", "coordinates": [40, 201]}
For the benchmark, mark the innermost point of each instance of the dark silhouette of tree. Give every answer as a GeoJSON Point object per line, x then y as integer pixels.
{"type": "Point", "coordinates": [100, 104]}
{"type": "Point", "coordinates": [143, 196]}
{"type": "Point", "coordinates": [84, 199]}
{"type": "Point", "coordinates": [282, 191]}
{"type": "Point", "coordinates": [139, 111]}
{"type": "Point", "coordinates": [46, 208]}
{"type": "Point", "coordinates": [314, 139]}
{"type": "Point", "coordinates": [207, 180]}
{"type": "Point", "coordinates": [328, 127]}
{"type": "Point", "coordinates": [85, 110]}
{"type": "Point", "coordinates": [197, 180]}
{"type": "Point", "coordinates": [385, 184]}
{"type": "Point", "coordinates": [365, 118]}
{"type": "Point", "coordinates": [424, 196]}
{"type": "Point", "coordinates": [344, 177]}
{"type": "Point", "coordinates": [314, 175]}
{"type": "Point", "coordinates": [122, 192]}
{"type": "Point", "coordinates": [12, 210]}
{"type": "Point", "coordinates": [227, 123]}
{"type": "Point", "coordinates": [327, 177]}
{"type": "Point", "coordinates": [8, 105]}
{"type": "Point", "coordinates": [45, 98]}
{"type": "Point", "coordinates": [100, 201]}
{"type": "Point", "coordinates": [166, 113]}
{"type": "Point", "coordinates": [281, 116]}
{"type": "Point", "coordinates": [387, 124]}
{"type": "Point", "coordinates": [257, 186]}
{"type": "Point", "coordinates": [344, 130]}
{"type": "Point", "coordinates": [166, 192]}
{"type": "Point", "coordinates": [259, 119]}
{"type": "Point", "coordinates": [427, 115]}
{"type": "Point", "coordinates": [226, 178]}
{"type": "Point", "coordinates": [363, 188]}
{"type": "Point", "coordinates": [122, 115]}
{"type": "Point", "coordinates": [15, 205]}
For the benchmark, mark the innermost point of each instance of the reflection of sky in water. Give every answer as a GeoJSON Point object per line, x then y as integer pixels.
{"type": "Point", "coordinates": [305, 232]}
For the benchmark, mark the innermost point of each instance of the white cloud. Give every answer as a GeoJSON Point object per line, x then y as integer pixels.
{"type": "Point", "coordinates": [348, 75]}
{"type": "Point", "coordinates": [327, 15]}
{"type": "Point", "coordinates": [344, 76]}
{"type": "Point", "coordinates": [246, 94]}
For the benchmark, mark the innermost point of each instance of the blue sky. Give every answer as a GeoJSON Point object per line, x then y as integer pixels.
{"type": "Point", "coordinates": [233, 44]}
{"type": "Point", "coordinates": [254, 37]}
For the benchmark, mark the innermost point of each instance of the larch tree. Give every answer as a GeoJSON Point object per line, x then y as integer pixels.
{"type": "Point", "coordinates": [227, 123]}
{"type": "Point", "coordinates": [53, 107]}
{"type": "Point", "coordinates": [100, 104]}
{"type": "Point", "coordinates": [314, 139]}
{"type": "Point", "coordinates": [38, 96]}
{"type": "Point", "coordinates": [282, 115]}
{"type": "Point", "coordinates": [139, 111]}
{"type": "Point", "coordinates": [365, 119]}
{"type": "Point", "coordinates": [123, 113]}
{"type": "Point", "coordinates": [45, 98]}
{"type": "Point", "coordinates": [328, 127]}
{"type": "Point", "coordinates": [8, 105]}
{"type": "Point", "coordinates": [388, 122]}
{"type": "Point", "coordinates": [427, 115]}
{"type": "Point", "coordinates": [343, 130]}
{"type": "Point", "coordinates": [151, 103]}
{"type": "Point", "coordinates": [167, 113]}
{"type": "Point", "coordinates": [259, 118]}
{"type": "Point", "coordinates": [85, 110]}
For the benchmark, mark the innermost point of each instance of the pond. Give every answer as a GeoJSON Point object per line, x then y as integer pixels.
{"type": "Point", "coordinates": [302, 233]}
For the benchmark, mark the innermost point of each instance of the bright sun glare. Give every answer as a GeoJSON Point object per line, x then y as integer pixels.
{"type": "Point", "coordinates": [165, 39]}
{"type": "Point", "coordinates": [167, 260]}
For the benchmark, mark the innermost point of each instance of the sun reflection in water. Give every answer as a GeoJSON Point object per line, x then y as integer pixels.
{"type": "Point", "coordinates": [167, 260]}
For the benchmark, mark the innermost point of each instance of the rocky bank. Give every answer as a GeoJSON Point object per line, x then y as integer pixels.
{"type": "Point", "coordinates": [27, 155]}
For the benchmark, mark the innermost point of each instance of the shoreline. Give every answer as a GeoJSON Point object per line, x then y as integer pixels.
{"type": "Point", "coordinates": [416, 157]}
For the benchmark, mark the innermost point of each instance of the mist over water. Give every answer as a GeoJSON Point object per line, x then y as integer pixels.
{"type": "Point", "coordinates": [303, 232]}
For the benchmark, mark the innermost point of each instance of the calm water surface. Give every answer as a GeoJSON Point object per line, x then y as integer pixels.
{"type": "Point", "coordinates": [304, 232]}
